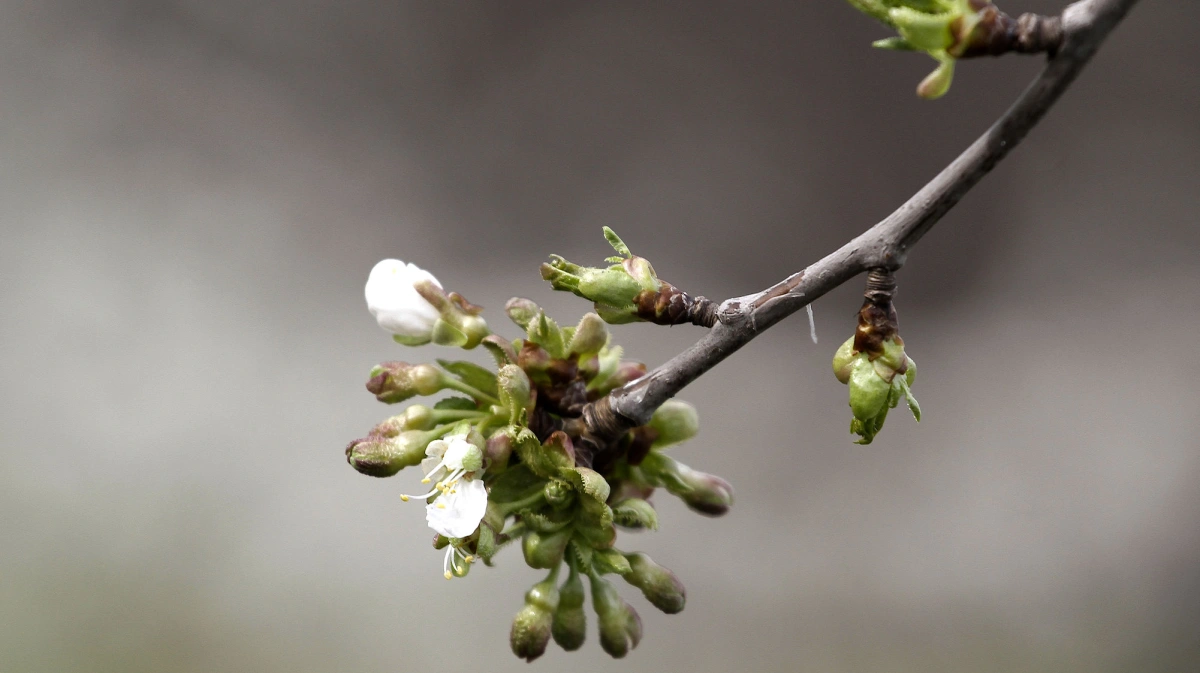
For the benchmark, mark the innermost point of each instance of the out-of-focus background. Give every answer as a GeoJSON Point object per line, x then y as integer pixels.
{"type": "Point", "coordinates": [192, 193]}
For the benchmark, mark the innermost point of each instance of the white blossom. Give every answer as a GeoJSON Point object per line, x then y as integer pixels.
{"type": "Point", "coordinates": [453, 463]}
{"type": "Point", "coordinates": [396, 304]}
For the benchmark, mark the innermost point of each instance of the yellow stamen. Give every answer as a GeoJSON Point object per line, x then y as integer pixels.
{"type": "Point", "coordinates": [448, 575]}
{"type": "Point", "coordinates": [441, 505]}
{"type": "Point", "coordinates": [404, 498]}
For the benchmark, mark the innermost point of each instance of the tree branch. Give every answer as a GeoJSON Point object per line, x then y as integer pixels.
{"type": "Point", "coordinates": [1085, 25]}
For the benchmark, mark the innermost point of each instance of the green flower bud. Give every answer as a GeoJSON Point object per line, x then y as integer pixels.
{"type": "Point", "coordinates": [660, 586]}
{"type": "Point", "coordinates": [522, 311]}
{"type": "Point", "coordinates": [416, 417]}
{"type": "Point", "coordinates": [843, 360]}
{"type": "Point", "coordinates": [545, 550]}
{"type": "Point", "coordinates": [702, 492]}
{"type": "Point", "coordinates": [569, 627]}
{"type": "Point", "coordinates": [459, 324]}
{"type": "Point", "coordinates": [515, 391]}
{"type": "Point", "coordinates": [475, 328]}
{"type": "Point", "coordinates": [378, 456]}
{"type": "Point", "coordinates": [874, 385]}
{"type": "Point", "coordinates": [530, 632]}
{"type": "Point", "coordinates": [868, 391]}
{"type": "Point", "coordinates": [590, 336]}
{"type": "Point", "coordinates": [620, 625]}
{"type": "Point", "coordinates": [393, 382]}
{"type": "Point", "coordinates": [497, 452]}
{"type": "Point", "coordinates": [675, 421]}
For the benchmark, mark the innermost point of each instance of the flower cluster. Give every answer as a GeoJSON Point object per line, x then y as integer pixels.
{"type": "Point", "coordinates": [508, 456]}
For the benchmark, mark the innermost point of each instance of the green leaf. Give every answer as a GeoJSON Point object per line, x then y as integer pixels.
{"type": "Point", "coordinates": [607, 561]}
{"type": "Point", "coordinates": [515, 483]}
{"type": "Point", "coordinates": [471, 374]}
{"type": "Point", "coordinates": [582, 554]}
{"type": "Point", "coordinates": [893, 43]}
{"type": "Point", "coordinates": [616, 243]}
{"type": "Point", "coordinates": [546, 333]}
{"type": "Point", "coordinates": [913, 405]}
{"type": "Point", "coordinates": [610, 359]}
{"type": "Point", "coordinates": [587, 481]}
{"type": "Point", "coordinates": [456, 404]}
{"type": "Point", "coordinates": [410, 341]}
{"type": "Point", "coordinates": [499, 353]}
{"type": "Point", "coordinates": [635, 513]}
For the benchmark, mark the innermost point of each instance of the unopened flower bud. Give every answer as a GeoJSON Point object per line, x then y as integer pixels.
{"type": "Point", "coordinates": [393, 382]}
{"type": "Point", "coordinates": [702, 492]}
{"type": "Point", "coordinates": [515, 390]}
{"type": "Point", "coordinates": [497, 451]}
{"type": "Point", "coordinates": [535, 362]}
{"type": "Point", "coordinates": [559, 448]}
{"type": "Point", "coordinates": [590, 335]}
{"type": "Point", "coordinates": [620, 625]}
{"type": "Point", "coordinates": [675, 421]}
{"type": "Point", "coordinates": [569, 627]}
{"type": "Point", "coordinates": [531, 627]}
{"type": "Point", "coordinates": [522, 311]}
{"type": "Point", "coordinates": [660, 586]}
{"type": "Point", "coordinates": [397, 306]}
{"type": "Point", "coordinates": [416, 417]}
{"type": "Point", "coordinates": [379, 456]}
{"type": "Point", "coordinates": [545, 550]}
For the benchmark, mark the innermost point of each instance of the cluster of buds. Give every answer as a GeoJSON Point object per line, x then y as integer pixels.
{"type": "Point", "coordinates": [948, 30]}
{"type": "Point", "coordinates": [509, 457]}
{"type": "Point", "coordinates": [873, 362]}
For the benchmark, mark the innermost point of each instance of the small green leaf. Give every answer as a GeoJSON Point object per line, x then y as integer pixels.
{"type": "Point", "coordinates": [545, 332]}
{"type": "Point", "coordinates": [893, 43]}
{"type": "Point", "coordinates": [515, 483]}
{"type": "Point", "coordinates": [635, 513]}
{"type": "Point", "coordinates": [471, 374]}
{"type": "Point", "coordinates": [607, 561]}
{"type": "Point", "coordinates": [410, 341]}
{"type": "Point", "coordinates": [456, 404]}
{"type": "Point", "coordinates": [616, 243]}
{"type": "Point", "coordinates": [587, 481]}
{"type": "Point", "coordinates": [582, 554]}
{"type": "Point", "coordinates": [913, 405]}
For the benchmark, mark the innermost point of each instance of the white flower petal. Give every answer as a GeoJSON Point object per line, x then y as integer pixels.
{"type": "Point", "coordinates": [462, 510]}
{"type": "Point", "coordinates": [457, 447]}
{"type": "Point", "coordinates": [395, 303]}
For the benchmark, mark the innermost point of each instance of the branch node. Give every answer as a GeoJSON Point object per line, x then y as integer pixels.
{"type": "Point", "coordinates": [998, 33]}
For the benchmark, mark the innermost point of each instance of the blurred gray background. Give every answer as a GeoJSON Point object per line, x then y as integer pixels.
{"type": "Point", "coordinates": [192, 193]}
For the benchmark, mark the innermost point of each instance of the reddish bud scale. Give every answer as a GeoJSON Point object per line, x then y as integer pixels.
{"type": "Point", "coordinates": [998, 33]}
{"type": "Point", "coordinates": [672, 306]}
{"type": "Point", "coordinates": [877, 321]}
